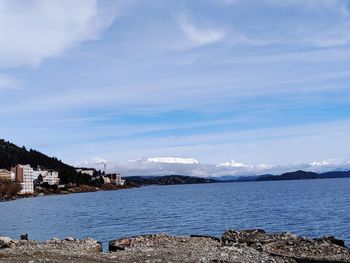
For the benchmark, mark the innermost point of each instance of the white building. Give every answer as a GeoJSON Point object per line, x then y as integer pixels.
{"type": "Point", "coordinates": [13, 176]}
{"type": "Point", "coordinates": [48, 176]}
{"type": "Point", "coordinates": [38, 172]}
{"type": "Point", "coordinates": [24, 176]}
{"type": "Point", "coordinates": [106, 180]}
{"type": "Point", "coordinates": [116, 179]}
{"type": "Point", "coordinates": [119, 181]}
{"type": "Point", "coordinates": [86, 171]}
{"type": "Point", "coordinates": [51, 178]}
{"type": "Point", "coordinates": [7, 175]}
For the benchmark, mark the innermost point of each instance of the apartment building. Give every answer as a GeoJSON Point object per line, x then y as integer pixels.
{"type": "Point", "coordinates": [6, 175]}
{"type": "Point", "coordinates": [116, 179]}
{"type": "Point", "coordinates": [49, 176]}
{"type": "Point", "coordinates": [86, 171]}
{"type": "Point", "coordinates": [24, 176]}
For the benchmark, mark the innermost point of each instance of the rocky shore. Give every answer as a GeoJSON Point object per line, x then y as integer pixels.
{"type": "Point", "coordinates": [234, 246]}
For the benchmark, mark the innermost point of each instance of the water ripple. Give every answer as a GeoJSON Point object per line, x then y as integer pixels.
{"type": "Point", "coordinates": [314, 207]}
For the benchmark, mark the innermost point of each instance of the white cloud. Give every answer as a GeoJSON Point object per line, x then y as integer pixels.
{"type": "Point", "coordinates": [173, 160]}
{"type": "Point", "coordinates": [37, 29]}
{"type": "Point", "coordinates": [7, 82]}
{"type": "Point", "coordinates": [320, 163]}
{"type": "Point", "coordinates": [316, 23]}
{"type": "Point", "coordinates": [332, 5]}
{"type": "Point", "coordinates": [321, 23]}
{"type": "Point", "coordinates": [99, 160]}
{"type": "Point", "coordinates": [232, 163]}
{"type": "Point", "coordinates": [337, 36]}
{"type": "Point", "coordinates": [199, 36]}
{"type": "Point", "coordinates": [329, 165]}
{"type": "Point", "coordinates": [210, 170]}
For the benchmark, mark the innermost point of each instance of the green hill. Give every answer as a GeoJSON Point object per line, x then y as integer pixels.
{"type": "Point", "coordinates": [11, 155]}
{"type": "Point", "coordinates": [166, 180]}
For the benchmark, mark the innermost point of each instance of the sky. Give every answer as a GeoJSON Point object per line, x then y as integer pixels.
{"type": "Point", "coordinates": [261, 82]}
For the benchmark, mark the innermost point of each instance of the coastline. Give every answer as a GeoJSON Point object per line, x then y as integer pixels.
{"type": "Point", "coordinates": [89, 189]}
{"type": "Point", "coordinates": [38, 194]}
{"type": "Point", "coordinates": [233, 246]}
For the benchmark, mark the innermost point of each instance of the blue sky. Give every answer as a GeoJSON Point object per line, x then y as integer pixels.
{"type": "Point", "coordinates": [255, 81]}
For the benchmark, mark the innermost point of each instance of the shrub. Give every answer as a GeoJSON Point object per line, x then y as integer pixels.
{"type": "Point", "coordinates": [108, 186]}
{"type": "Point", "coordinates": [9, 189]}
{"type": "Point", "coordinates": [87, 188]}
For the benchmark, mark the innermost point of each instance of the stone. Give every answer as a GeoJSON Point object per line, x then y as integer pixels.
{"type": "Point", "coordinates": [205, 236]}
{"type": "Point", "coordinates": [245, 236]}
{"type": "Point", "coordinates": [118, 245]}
{"type": "Point", "coordinates": [6, 242]}
{"type": "Point", "coordinates": [24, 237]}
{"type": "Point", "coordinates": [333, 240]}
{"type": "Point", "coordinates": [250, 247]}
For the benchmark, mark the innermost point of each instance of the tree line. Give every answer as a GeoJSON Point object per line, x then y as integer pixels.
{"type": "Point", "coordinates": [11, 155]}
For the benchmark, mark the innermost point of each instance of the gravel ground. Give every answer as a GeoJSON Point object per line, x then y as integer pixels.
{"type": "Point", "coordinates": [234, 246]}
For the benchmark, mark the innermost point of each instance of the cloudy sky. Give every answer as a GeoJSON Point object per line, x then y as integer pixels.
{"type": "Point", "coordinates": [256, 81]}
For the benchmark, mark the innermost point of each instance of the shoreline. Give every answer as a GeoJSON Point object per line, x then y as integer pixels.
{"type": "Point", "coordinates": [233, 246]}
{"type": "Point", "coordinates": [99, 189]}
{"type": "Point", "coordinates": [16, 197]}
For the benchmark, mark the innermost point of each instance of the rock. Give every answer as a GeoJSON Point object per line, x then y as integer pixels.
{"type": "Point", "coordinates": [69, 239]}
{"type": "Point", "coordinates": [290, 235]}
{"type": "Point", "coordinates": [332, 240]}
{"type": "Point", "coordinates": [250, 246]}
{"type": "Point", "coordinates": [118, 245]}
{"type": "Point", "coordinates": [55, 240]}
{"type": "Point", "coordinates": [23, 242]}
{"type": "Point", "coordinates": [289, 246]}
{"type": "Point", "coordinates": [24, 236]}
{"type": "Point", "coordinates": [92, 245]}
{"type": "Point", "coordinates": [205, 236]}
{"type": "Point", "coordinates": [245, 236]}
{"type": "Point", "coordinates": [6, 242]}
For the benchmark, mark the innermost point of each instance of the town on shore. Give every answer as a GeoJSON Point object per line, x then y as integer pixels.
{"type": "Point", "coordinates": [26, 173]}
{"type": "Point", "coordinates": [24, 180]}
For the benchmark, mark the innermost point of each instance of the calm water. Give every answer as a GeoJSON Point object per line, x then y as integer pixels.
{"type": "Point", "coordinates": [313, 207]}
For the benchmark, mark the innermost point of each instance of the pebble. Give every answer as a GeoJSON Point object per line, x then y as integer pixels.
{"type": "Point", "coordinates": [242, 246]}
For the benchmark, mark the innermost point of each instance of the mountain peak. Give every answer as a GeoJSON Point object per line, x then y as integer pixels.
{"type": "Point", "coordinates": [172, 160]}
{"type": "Point", "coordinates": [233, 163]}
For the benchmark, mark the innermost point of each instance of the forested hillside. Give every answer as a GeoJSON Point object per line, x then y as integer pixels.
{"type": "Point", "coordinates": [11, 155]}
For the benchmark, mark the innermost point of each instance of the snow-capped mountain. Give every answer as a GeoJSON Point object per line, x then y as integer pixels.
{"type": "Point", "coordinates": [99, 160]}
{"type": "Point", "coordinates": [173, 160]}
{"type": "Point", "coordinates": [189, 166]}
{"type": "Point", "coordinates": [233, 163]}
{"type": "Point", "coordinates": [91, 163]}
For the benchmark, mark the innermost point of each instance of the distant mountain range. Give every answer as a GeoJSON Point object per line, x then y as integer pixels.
{"type": "Point", "coordinates": [181, 179]}
{"type": "Point", "coordinates": [11, 155]}
{"type": "Point", "coordinates": [297, 175]}
{"type": "Point", "coordinates": [167, 180]}
{"type": "Point", "coordinates": [302, 175]}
